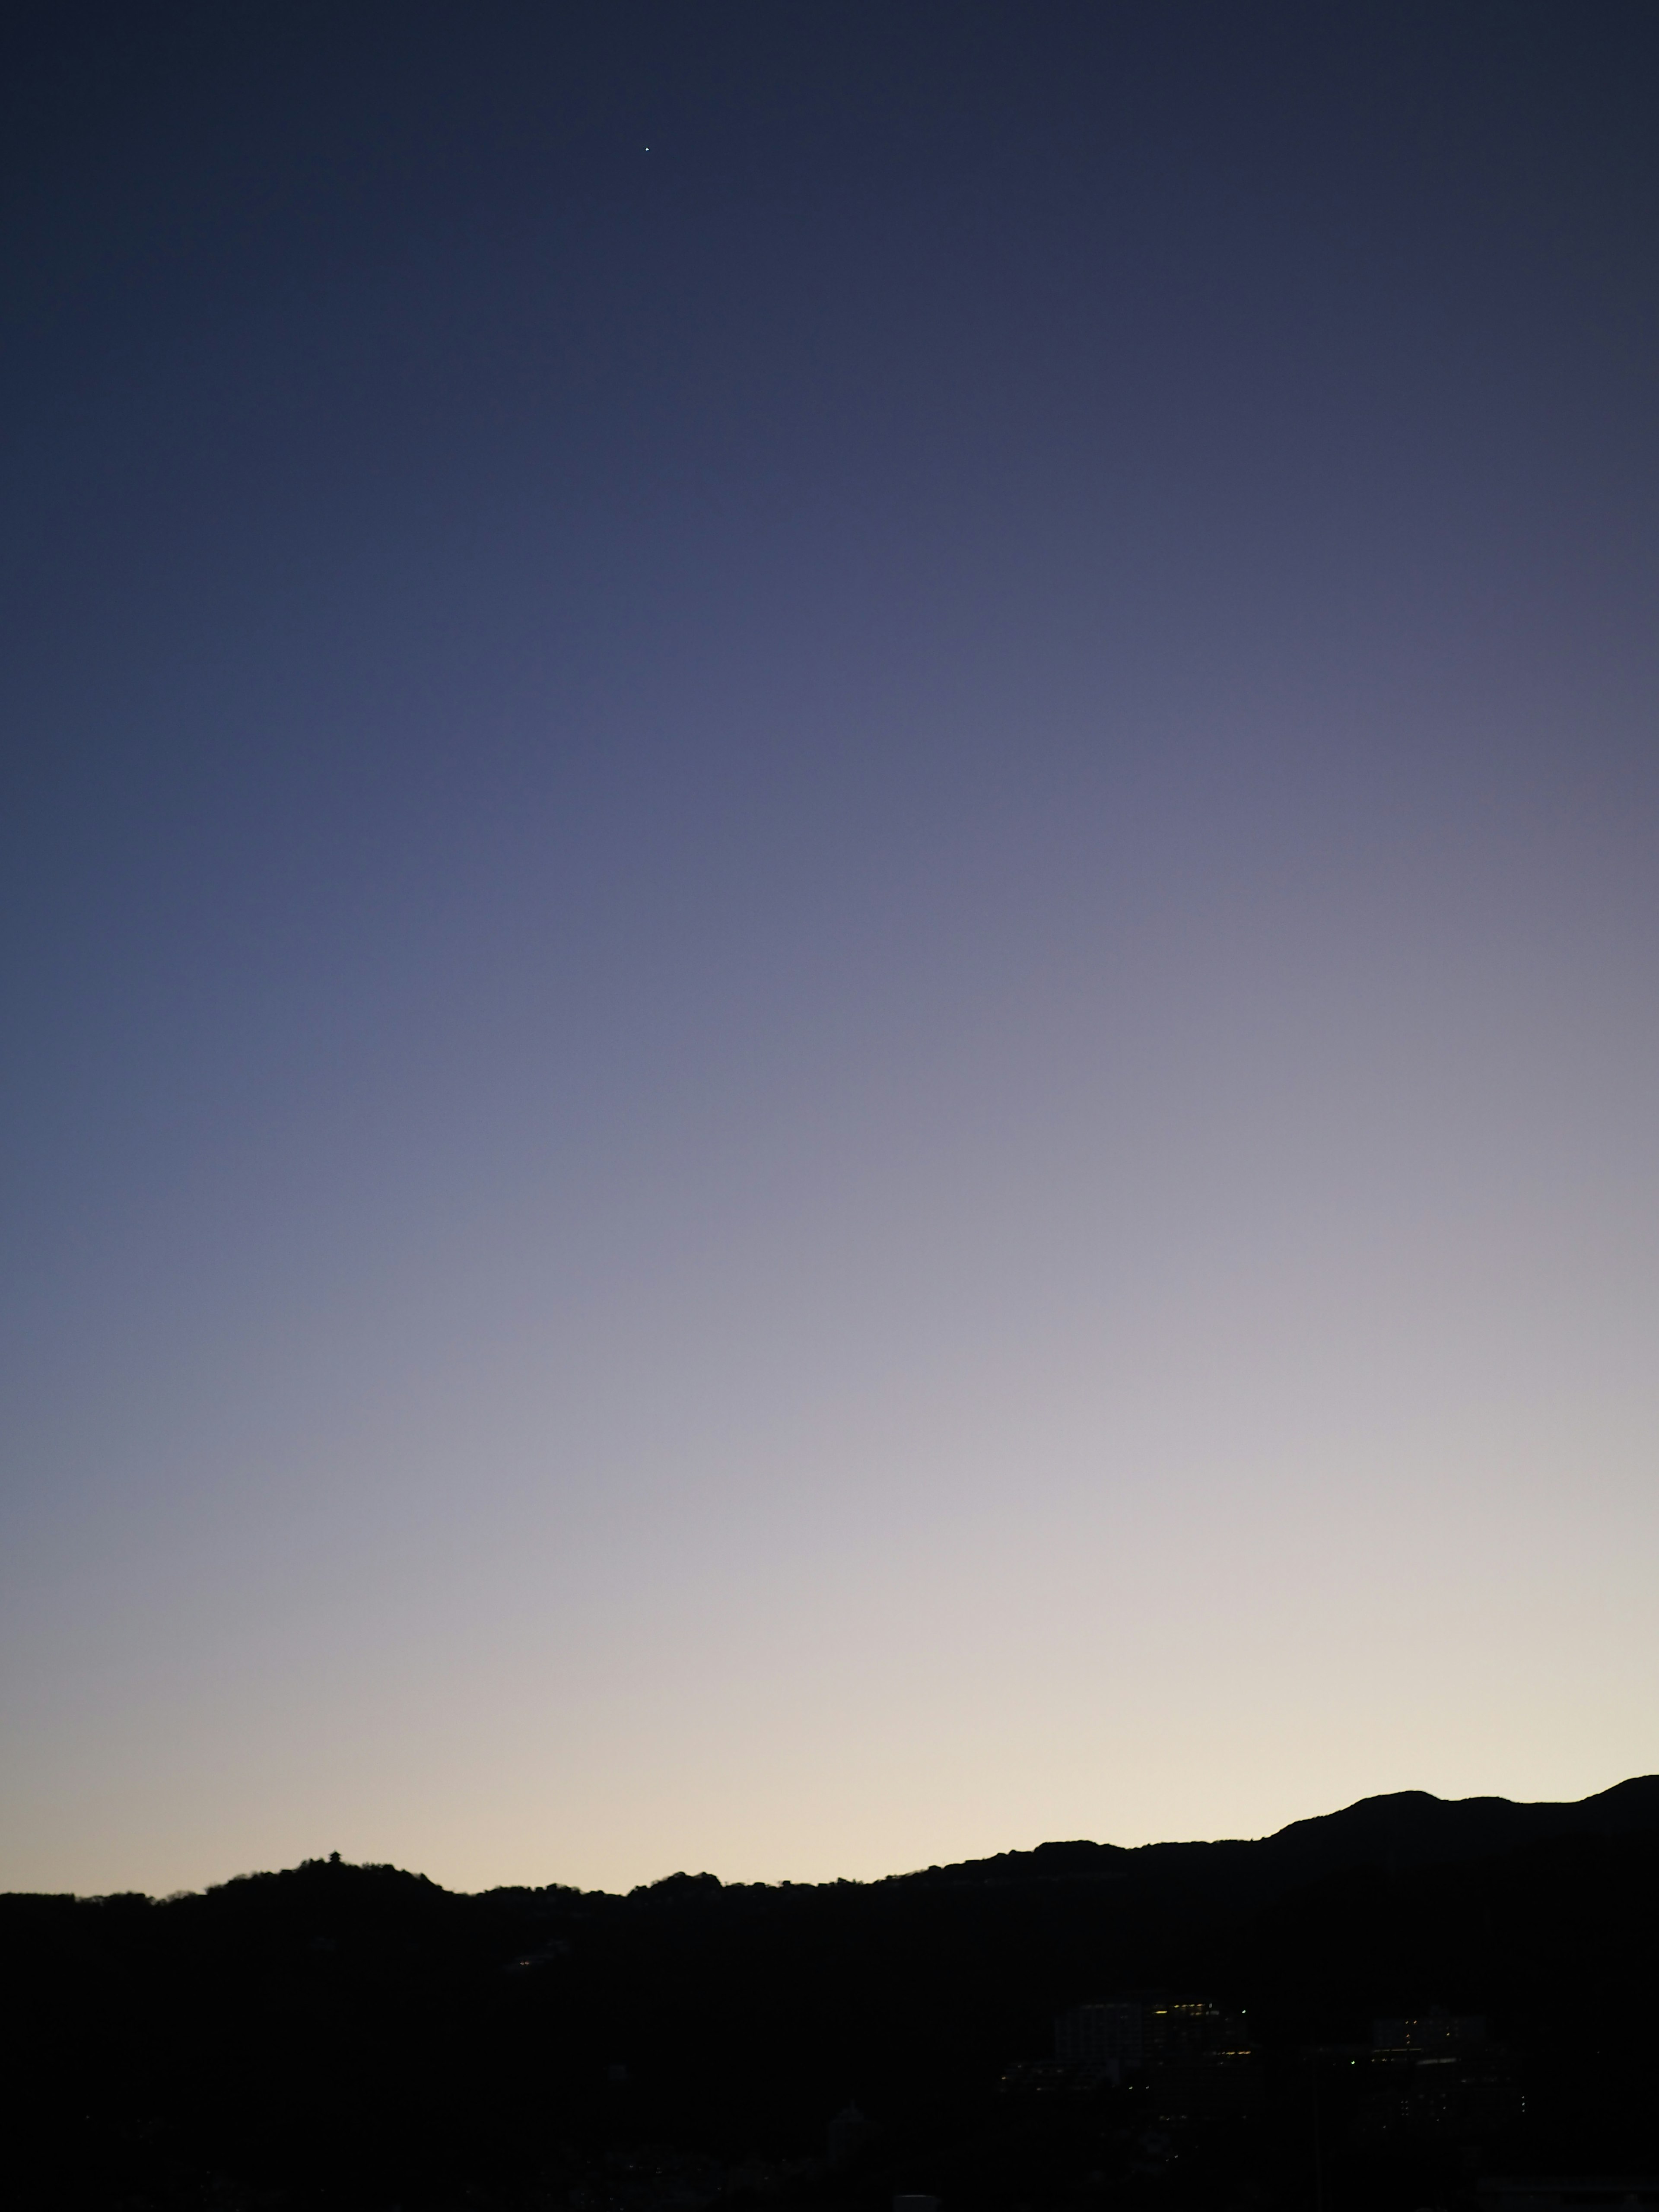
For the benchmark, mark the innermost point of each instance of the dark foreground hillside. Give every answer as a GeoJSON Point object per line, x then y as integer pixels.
{"type": "Point", "coordinates": [355, 2036]}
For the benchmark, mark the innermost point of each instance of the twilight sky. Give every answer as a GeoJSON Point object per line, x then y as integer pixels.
{"type": "Point", "coordinates": [830, 848]}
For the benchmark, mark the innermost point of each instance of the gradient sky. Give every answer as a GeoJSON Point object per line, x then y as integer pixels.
{"type": "Point", "coordinates": [831, 867]}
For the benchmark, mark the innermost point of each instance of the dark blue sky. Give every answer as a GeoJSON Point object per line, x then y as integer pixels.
{"type": "Point", "coordinates": [830, 844]}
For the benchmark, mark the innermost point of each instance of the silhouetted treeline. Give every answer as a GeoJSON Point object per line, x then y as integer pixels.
{"type": "Point", "coordinates": [352, 2035]}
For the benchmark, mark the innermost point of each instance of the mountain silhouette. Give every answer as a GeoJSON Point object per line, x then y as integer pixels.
{"type": "Point", "coordinates": [1404, 1828]}
{"type": "Point", "coordinates": [337, 2037]}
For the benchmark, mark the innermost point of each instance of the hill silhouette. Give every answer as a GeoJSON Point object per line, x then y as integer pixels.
{"type": "Point", "coordinates": [353, 2036]}
{"type": "Point", "coordinates": [1404, 1828]}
